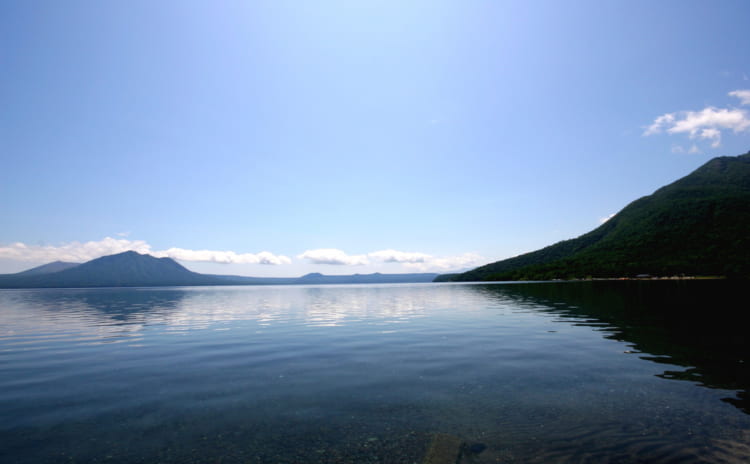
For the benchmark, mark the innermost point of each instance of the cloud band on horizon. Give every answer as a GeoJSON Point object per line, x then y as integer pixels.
{"type": "Point", "coordinates": [81, 252]}
{"type": "Point", "coordinates": [85, 251]}
{"type": "Point", "coordinates": [414, 260]}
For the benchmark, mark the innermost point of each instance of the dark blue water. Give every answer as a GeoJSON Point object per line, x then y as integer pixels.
{"type": "Point", "coordinates": [553, 372]}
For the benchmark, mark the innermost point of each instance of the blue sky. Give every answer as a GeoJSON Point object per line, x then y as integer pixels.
{"type": "Point", "coordinates": [278, 138]}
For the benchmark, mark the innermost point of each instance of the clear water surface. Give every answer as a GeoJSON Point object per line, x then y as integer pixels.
{"type": "Point", "coordinates": [536, 372]}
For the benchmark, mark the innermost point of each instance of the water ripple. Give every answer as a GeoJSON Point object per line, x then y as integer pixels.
{"type": "Point", "coordinates": [354, 374]}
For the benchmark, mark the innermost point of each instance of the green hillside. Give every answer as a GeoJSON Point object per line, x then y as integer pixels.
{"type": "Point", "coordinates": [698, 225]}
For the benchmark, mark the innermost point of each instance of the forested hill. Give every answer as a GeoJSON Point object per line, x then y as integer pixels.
{"type": "Point", "coordinates": [698, 225]}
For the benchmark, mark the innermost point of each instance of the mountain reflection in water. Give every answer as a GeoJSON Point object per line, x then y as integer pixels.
{"type": "Point", "coordinates": [694, 324]}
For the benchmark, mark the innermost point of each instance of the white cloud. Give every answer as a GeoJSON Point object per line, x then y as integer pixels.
{"type": "Point", "coordinates": [695, 122]}
{"type": "Point", "coordinates": [743, 95]}
{"type": "Point", "coordinates": [333, 256]}
{"type": "Point", "coordinates": [412, 260]}
{"type": "Point", "coordinates": [225, 257]}
{"type": "Point", "coordinates": [393, 256]}
{"type": "Point", "coordinates": [606, 218]}
{"type": "Point", "coordinates": [706, 124]}
{"type": "Point", "coordinates": [659, 123]}
{"type": "Point", "coordinates": [425, 262]}
{"type": "Point", "coordinates": [73, 251]}
{"type": "Point", "coordinates": [86, 251]}
{"type": "Point", "coordinates": [81, 252]}
{"type": "Point", "coordinates": [448, 263]}
{"type": "Point", "coordinates": [712, 134]}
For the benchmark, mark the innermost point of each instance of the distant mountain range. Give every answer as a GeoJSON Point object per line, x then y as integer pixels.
{"type": "Point", "coordinates": [698, 225]}
{"type": "Point", "coordinates": [131, 269]}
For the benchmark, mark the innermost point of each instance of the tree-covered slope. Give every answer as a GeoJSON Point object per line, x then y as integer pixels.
{"type": "Point", "coordinates": [698, 225]}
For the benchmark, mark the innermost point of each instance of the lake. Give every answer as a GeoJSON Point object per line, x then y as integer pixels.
{"type": "Point", "coordinates": [526, 372]}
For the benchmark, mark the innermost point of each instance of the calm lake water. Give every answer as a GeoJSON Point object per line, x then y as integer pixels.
{"type": "Point", "coordinates": [535, 372]}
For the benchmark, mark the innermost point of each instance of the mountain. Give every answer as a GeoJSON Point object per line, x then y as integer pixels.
{"type": "Point", "coordinates": [49, 268]}
{"type": "Point", "coordinates": [698, 225]}
{"type": "Point", "coordinates": [128, 269]}
{"type": "Point", "coordinates": [131, 269]}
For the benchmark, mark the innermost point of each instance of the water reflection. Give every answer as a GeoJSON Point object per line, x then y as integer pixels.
{"type": "Point", "coordinates": [94, 314]}
{"type": "Point", "coordinates": [326, 306]}
{"type": "Point", "coordinates": [108, 313]}
{"type": "Point", "coordinates": [369, 373]}
{"type": "Point", "coordinates": [693, 324]}
{"type": "Point", "coordinates": [690, 324]}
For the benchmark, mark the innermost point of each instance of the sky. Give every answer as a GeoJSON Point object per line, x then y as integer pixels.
{"type": "Point", "coordinates": [277, 138]}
